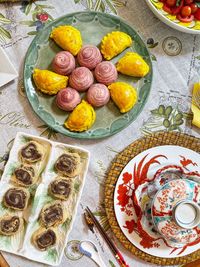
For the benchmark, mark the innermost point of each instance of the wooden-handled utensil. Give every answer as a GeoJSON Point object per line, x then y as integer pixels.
{"type": "Point", "coordinates": [3, 262]}
{"type": "Point", "coordinates": [111, 245]}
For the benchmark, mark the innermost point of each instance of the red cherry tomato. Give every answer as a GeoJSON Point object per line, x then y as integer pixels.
{"type": "Point", "coordinates": [186, 11]}
{"type": "Point", "coordinates": [167, 9]}
{"type": "Point", "coordinates": [171, 3]}
{"type": "Point", "coordinates": [197, 14]}
{"type": "Point", "coordinates": [188, 2]}
{"type": "Point", "coordinates": [177, 9]}
{"type": "Point", "coordinates": [194, 8]}
{"type": "Point", "coordinates": [185, 19]}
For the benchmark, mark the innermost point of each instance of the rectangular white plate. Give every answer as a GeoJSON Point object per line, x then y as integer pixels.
{"type": "Point", "coordinates": [20, 243]}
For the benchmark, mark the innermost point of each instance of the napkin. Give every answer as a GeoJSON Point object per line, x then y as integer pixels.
{"type": "Point", "coordinates": [196, 105]}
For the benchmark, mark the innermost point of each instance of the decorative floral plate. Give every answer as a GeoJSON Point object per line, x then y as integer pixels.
{"type": "Point", "coordinates": [141, 178]}
{"type": "Point", "coordinates": [164, 209]}
{"type": "Point", "coordinates": [93, 26]}
{"type": "Point", "coordinates": [156, 7]}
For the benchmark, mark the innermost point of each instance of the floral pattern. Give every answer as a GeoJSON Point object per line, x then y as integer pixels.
{"type": "Point", "coordinates": [136, 192]}
{"type": "Point", "coordinates": [39, 13]}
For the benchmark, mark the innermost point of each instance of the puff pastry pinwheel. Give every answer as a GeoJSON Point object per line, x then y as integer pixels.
{"type": "Point", "coordinates": [49, 82]}
{"type": "Point", "coordinates": [133, 64]}
{"type": "Point", "coordinates": [114, 43]}
{"type": "Point", "coordinates": [82, 117]}
{"type": "Point", "coordinates": [52, 214]}
{"type": "Point", "coordinates": [24, 176]}
{"type": "Point", "coordinates": [32, 152]}
{"type": "Point", "coordinates": [68, 38]}
{"type": "Point", "coordinates": [10, 224]}
{"type": "Point", "coordinates": [68, 164]}
{"type": "Point", "coordinates": [16, 198]}
{"type": "Point", "coordinates": [123, 95]}
{"type": "Point", "coordinates": [60, 188]}
{"type": "Point", "coordinates": [44, 238]}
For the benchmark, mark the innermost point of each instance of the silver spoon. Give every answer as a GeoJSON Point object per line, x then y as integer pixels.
{"type": "Point", "coordinates": [89, 249]}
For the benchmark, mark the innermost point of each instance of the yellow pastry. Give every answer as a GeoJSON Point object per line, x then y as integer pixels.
{"type": "Point", "coordinates": [132, 64]}
{"type": "Point", "coordinates": [68, 38]}
{"type": "Point", "coordinates": [81, 118]}
{"type": "Point", "coordinates": [123, 95]}
{"type": "Point", "coordinates": [49, 82]}
{"type": "Point", "coordinates": [114, 43]}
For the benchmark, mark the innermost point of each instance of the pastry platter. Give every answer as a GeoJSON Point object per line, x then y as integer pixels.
{"type": "Point", "coordinates": [146, 175]}
{"type": "Point", "coordinates": [39, 197]}
{"type": "Point", "coordinates": [93, 26]}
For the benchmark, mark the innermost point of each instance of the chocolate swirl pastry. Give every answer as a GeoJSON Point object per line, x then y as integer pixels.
{"type": "Point", "coordinates": [16, 198]}
{"type": "Point", "coordinates": [44, 238]}
{"type": "Point", "coordinates": [24, 176]}
{"type": "Point", "coordinates": [68, 164]}
{"type": "Point", "coordinates": [10, 225]}
{"type": "Point", "coordinates": [52, 214]}
{"type": "Point", "coordinates": [60, 188]}
{"type": "Point", "coordinates": [32, 152]}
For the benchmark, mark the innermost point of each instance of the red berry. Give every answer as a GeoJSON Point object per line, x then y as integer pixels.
{"type": "Point", "coordinates": [186, 11]}
{"type": "Point", "coordinates": [43, 17]}
{"type": "Point", "coordinates": [194, 7]}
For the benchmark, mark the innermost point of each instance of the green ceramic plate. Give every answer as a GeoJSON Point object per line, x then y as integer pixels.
{"type": "Point", "coordinates": [93, 27]}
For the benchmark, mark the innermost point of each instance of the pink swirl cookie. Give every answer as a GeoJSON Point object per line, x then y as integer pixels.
{"type": "Point", "coordinates": [81, 79]}
{"type": "Point", "coordinates": [89, 56]}
{"type": "Point", "coordinates": [98, 95]}
{"type": "Point", "coordinates": [67, 99]}
{"type": "Point", "coordinates": [63, 63]}
{"type": "Point", "coordinates": [106, 72]}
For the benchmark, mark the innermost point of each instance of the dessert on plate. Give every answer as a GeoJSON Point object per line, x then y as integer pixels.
{"type": "Point", "coordinates": [124, 95]}
{"type": "Point", "coordinates": [49, 82]}
{"type": "Point", "coordinates": [133, 64]}
{"type": "Point", "coordinates": [16, 198]}
{"type": "Point", "coordinates": [63, 63]}
{"type": "Point", "coordinates": [81, 79]}
{"type": "Point", "coordinates": [106, 72]}
{"type": "Point", "coordinates": [10, 224]}
{"type": "Point", "coordinates": [68, 38]}
{"type": "Point", "coordinates": [67, 99]}
{"type": "Point", "coordinates": [60, 188]}
{"type": "Point", "coordinates": [89, 56]}
{"type": "Point", "coordinates": [82, 117]}
{"type": "Point", "coordinates": [68, 164]}
{"type": "Point", "coordinates": [52, 214]}
{"type": "Point", "coordinates": [98, 95]}
{"type": "Point", "coordinates": [114, 43]}
{"type": "Point", "coordinates": [44, 238]}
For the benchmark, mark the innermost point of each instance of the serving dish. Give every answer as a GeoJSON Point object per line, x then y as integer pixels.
{"type": "Point", "coordinates": [136, 187]}
{"type": "Point", "coordinates": [22, 243]}
{"type": "Point", "coordinates": [156, 7]}
{"type": "Point", "coordinates": [7, 70]}
{"type": "Point", "coordinates": [93, 26]}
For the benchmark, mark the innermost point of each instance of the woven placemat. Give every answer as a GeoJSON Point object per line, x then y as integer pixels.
{"type": "Point", "coordinates": [157, 139]}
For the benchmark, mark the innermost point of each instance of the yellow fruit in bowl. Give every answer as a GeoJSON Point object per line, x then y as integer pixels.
{"type": "Point", "coordinates": [133, 64]}
{"type": "Point", "coordinates": [82, 117]}
{"type": "Point", "coordinates": [114, 43]}
{"type": "Point", "coordinates": [68, 38]}
{"type": "Point", "coordinates": [49, 82]}
{"type": "Point", "coordinates": [124, 95]}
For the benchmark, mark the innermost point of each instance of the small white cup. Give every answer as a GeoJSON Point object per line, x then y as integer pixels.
{"type": "Point", "coordinates": [186, 214]}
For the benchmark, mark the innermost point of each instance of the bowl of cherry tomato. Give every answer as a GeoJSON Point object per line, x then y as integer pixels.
{"type": "Point", "coordinates": [182, 15]}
